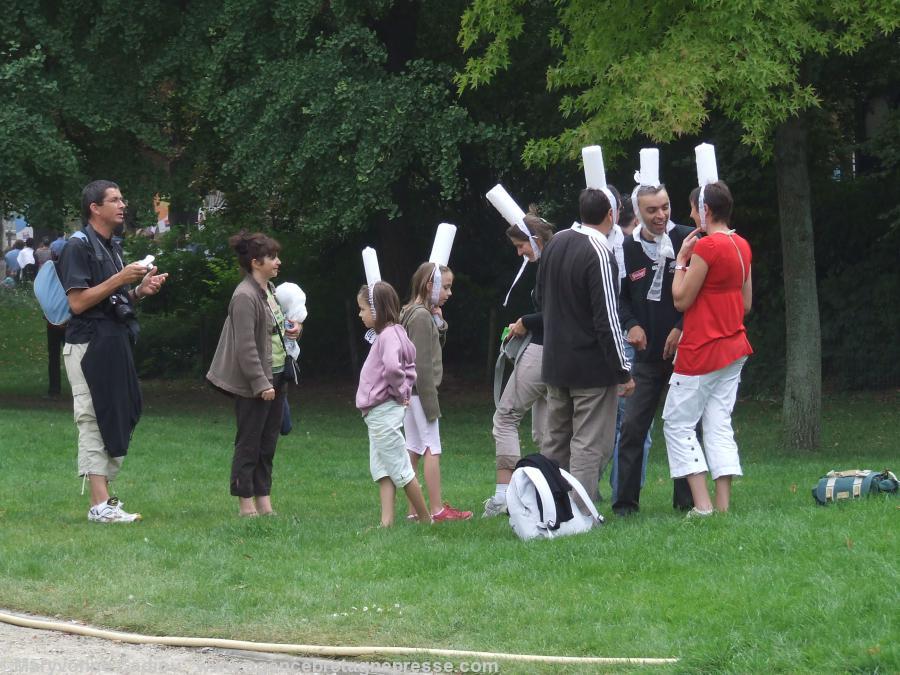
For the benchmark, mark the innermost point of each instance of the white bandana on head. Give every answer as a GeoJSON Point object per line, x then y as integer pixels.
{"type": "Point", "coordinates": [648, 176]}
{"type": "Point", "coordinates": [706, 173]}
{"type": "Point", "coordinates": [515, 216]}
{"type": "Point", "coordinates": [373, 276]}
{"type": "Point", "coordinates": [440, 256]}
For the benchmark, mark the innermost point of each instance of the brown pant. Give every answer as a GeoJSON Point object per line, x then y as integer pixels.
{"type": "Point", "coordinates": [258, 427]}
{"type": "Point", "coordinates": [581, 432]}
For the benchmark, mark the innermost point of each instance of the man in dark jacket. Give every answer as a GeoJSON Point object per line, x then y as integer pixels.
{"type": "Point", "coordinates": [584, 362]}
{"type": "Point", "coordinates": [99, 337]}
{"type": "Point", "coordinates": [648, 314]}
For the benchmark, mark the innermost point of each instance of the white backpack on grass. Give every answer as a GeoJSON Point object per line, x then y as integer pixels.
{"type": "Point", "coordinates": [532, 511]}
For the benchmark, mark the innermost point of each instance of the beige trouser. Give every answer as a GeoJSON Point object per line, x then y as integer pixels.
{"type": "Point", "coordinates": [524, 390]}
{"type": "Point", "coordinates": [92, 456]}
{"type": "Point", "coordinates": [581, 431]}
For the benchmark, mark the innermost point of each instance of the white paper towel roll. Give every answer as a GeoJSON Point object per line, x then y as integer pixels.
{"type": "Point", "coordinates": [370, 262]}
{"type": "Point", "coordinates": [706, 164]}
{"type": "Point", "coordinates": [443, 243]}
{"type": "Point", "coordinates": [500, 199]}
{"type": "Point", "coordinates": [650, 166]}
{"type": "Point", "coordinates": [594, 171]}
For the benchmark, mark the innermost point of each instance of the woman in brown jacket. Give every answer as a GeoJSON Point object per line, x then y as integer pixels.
{"type": "Point", "coordinates": [249, 365]}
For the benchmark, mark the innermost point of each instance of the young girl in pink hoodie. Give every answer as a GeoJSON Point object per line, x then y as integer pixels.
{"type": "Point", "coordinates": [385, 385]}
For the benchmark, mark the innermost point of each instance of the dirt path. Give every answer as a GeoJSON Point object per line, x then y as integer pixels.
{"type": "Point", "coordinates": [25, 650]}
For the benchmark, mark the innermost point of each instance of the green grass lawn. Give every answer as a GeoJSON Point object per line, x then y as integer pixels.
{"type": "Point", "coordinates": [779, 584]}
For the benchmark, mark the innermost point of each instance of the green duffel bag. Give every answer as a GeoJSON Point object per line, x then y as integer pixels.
{"type": "Point", "coordinates": [835, 486]}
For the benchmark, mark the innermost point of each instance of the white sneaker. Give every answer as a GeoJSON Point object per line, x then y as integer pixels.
{"type": "Point", "coordinates": [697, 513]}
{"type": "Point", "coordinates": [111, 512]}
{"type": "Point", "coordinates": [493, 507]}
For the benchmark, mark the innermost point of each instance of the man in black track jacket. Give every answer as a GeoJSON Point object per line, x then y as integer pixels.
{"type": "Point", "coordinates": [584, 361]}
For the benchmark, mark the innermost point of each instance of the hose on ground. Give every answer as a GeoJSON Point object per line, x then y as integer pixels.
{"type": "Point", "coordinates": [317, 650]}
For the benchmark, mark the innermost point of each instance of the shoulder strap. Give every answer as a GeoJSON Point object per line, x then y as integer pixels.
{"type": "Point", "coordinates": [499, 370]}
{"type": "Point", "coordinates": [579, 488]}
{"type": "Point", "coordinates": [547, 506]}
{"type": "Point", "coordinates": [521, 343]}
{"type": "Point", "coordinates": [100, 253]}
{"type": "Point", "coordinates": [741, 258]}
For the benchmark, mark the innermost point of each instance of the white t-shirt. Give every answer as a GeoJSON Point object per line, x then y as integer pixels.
{"type": "Point", "coordinates": [25, 257]}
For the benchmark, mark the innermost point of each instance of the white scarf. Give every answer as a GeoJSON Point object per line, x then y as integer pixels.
{"type": "Point", "coordinates": [617, 239]}
{"type": "Point", "coordinates": [371, 335]}
{"type": "Point", "coordinates": [437, 282]}
{"type": "Point", "coordinates": [659, 250]}
{"type": "Point", "coordinates": [537, 256]}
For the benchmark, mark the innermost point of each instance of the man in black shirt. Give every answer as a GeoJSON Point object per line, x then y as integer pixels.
{"type": "Point", "coordinates": [99, 337]}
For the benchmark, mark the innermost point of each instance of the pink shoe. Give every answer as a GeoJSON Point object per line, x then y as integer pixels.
{"type": "Point", "coordinates": [449, 513]}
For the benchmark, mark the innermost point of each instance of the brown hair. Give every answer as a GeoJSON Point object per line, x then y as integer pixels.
{"type": "Point", "coordinates": [718, 198]}
{"type": "Point", "coordinates": [252, 246]}
{"type": "Point", "coordinates": [418, 287]}
{"type": "Point", "coordinates": [386, 301]}
{"type": "Point", "coordinates": [538, 227]}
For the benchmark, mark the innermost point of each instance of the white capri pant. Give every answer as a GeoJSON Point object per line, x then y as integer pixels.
{"type": "Point", "coordinates": [710, 398]}
{"type": "Point", "coordinates": [420, 433]}
{"type": "Point", "coordinates": [387, 448]}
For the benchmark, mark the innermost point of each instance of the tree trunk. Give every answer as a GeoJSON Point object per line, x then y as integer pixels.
{"type": "Point", "coordinates": [803, 376]}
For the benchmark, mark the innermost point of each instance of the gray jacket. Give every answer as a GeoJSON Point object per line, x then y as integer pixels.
{"type": "Point", "coordinates": [242, 364]}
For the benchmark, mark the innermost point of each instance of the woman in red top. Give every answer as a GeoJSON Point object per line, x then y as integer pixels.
{"type": "Point", "coordinates": [714, 291]}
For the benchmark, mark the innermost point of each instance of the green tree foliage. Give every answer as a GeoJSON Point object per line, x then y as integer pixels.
{"type": "Point", "coordinates": [84, 98]}
{"type": "Point", "coordinates": [314, 121]}
{"type": "Point", "coordinates": [35, 155]}
{"type": "Point", "coordinates": [659, 69]}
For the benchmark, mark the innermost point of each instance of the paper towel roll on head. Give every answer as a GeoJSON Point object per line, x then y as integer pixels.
{"type": "Point", "coordinates": [443, 244]}
{"type": "Point", "coordinates": [370, 263]}
{"type": "Point", "coordinates": [500, 200]}
{"type": "Point", "coordinates": [706, 164]}
{"type": "Point", "coordinates": [594, 171]}
{"type": "Point", "coordinates": [649, 173]}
